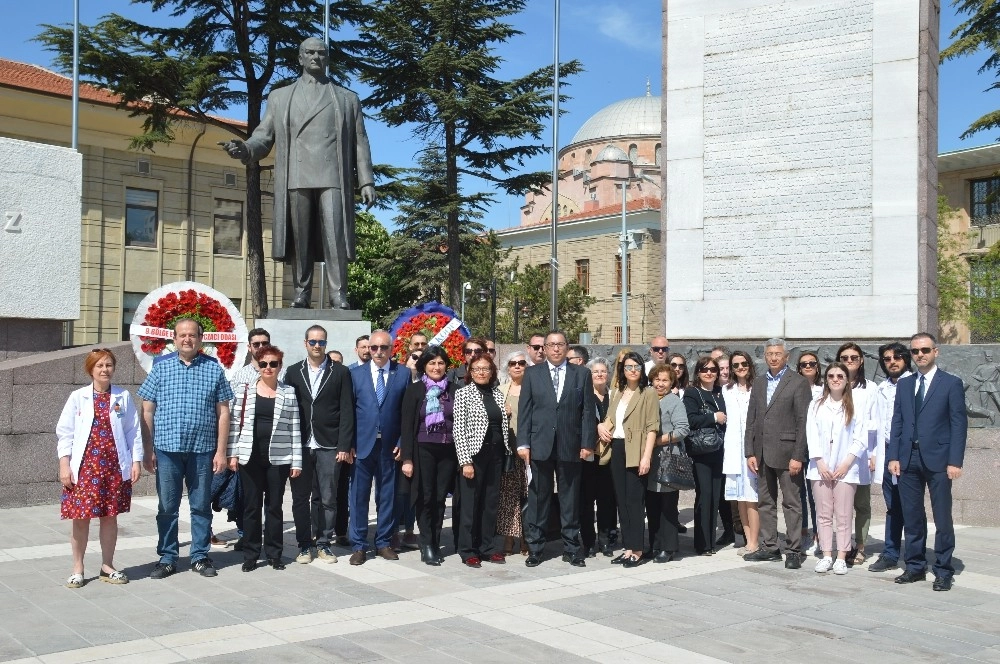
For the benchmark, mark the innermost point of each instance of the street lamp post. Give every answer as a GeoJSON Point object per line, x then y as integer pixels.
{"type": "Point", "coordinates": [466, 286]}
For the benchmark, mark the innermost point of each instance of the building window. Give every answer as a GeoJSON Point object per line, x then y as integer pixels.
{"type": "Point", "coordinates": [141, 211]}
{"type": "Point", "coordinates": [985, 205]}
{"type": "Point", "coordinates": [583, 275]}
{"type": "Point", "coordinates": [633, 153]}
{"type": "Point", "coordinates": [130, 302]}
{"type": "Point", "coordinates": [984, 293]}
{"type": "Point", "coordinates": [618, 334]}
{"type": "Point", "coordinates": [546, 270]}
{"type": "Point", "coordinates": [228, 225]}
{"type": "Point", "coordinates": [618, 275]}
{"type": "Point", "coordinates": [658, 153]}
{"type": "Point", "coordinates": [589, 156]}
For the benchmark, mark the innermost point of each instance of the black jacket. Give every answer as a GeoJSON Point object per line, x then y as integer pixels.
{"type": "Point", "coordinates": [331, 414]}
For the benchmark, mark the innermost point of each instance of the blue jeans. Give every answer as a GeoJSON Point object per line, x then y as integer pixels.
{"type": "Point", "coordinates": [173, 470]}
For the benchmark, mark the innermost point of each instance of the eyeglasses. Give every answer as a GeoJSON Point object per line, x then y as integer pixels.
{"type": "Point", "coordinates": [491, 351]}
{"type": "Point", "coordinates": [382, 348]}
{"type": "Point", "coordinates": [273, 364]}
{"type": "Point", "coordinates": [836, 377]}
{"type": "Point", "coordinates": [418, 344]}
{"type": "Point", "coordinates": [472, 351]}
{"type": "Point", "coordinates": [535, 347]}
{"type": "Point", "coordinates": [517, 363]}
{"type": "Point", "coordinates": [480, 370]}
{"type": "Point", "coordinates": [318, 342]}
{"type": "Point", "coordinates": [922, 351]}
{"type": "Point", "coordinates": [678, 365]}
{"type": "Point", "coordinates": [850, 358]}
{"type": "Point", "coordinates": [631, 367]}
{"type": "Point", "coordinates": [100, 350]}
{"type": "Point", "coordinates": [740, 365]}
{"type": "Point", "coordinates": [555, 344]}
{"type": "Point", "coordinates": [890, 358]}
{"type": "Point", "coordinates": [808, 365]}
{"type": "Point", "coordinates": [258, 344]}
{"type": "Point", "coordinates": [659, 349]}
{"type": "Point", "coordinates": [708, 370]}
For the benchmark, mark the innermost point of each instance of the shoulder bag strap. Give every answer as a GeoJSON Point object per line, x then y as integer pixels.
{"type": "Point", "coordinates": [243, 409]}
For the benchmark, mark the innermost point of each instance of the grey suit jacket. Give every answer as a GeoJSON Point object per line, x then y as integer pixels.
{"type": "Point", "coordinates": [776, 432]}
{"type": "Point", "coordinates": [332, 140]}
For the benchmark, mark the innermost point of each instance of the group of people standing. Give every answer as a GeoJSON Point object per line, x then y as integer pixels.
{"type": "Point", "coordinates": [547, 429]}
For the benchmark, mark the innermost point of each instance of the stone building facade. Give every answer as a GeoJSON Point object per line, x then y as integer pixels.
{"type": "Point", "coordinates": [148, 218]}
{"type": "Point", "coordinates": [619, 144]}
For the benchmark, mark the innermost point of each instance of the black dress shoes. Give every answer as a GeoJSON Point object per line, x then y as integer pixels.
{"type": "Point", "coordinates": [663, 557]}
{"type": "Point", "coordinates": [249, 565]}
{"type": "Point", "coordinates": [608, 550]}
{"type": "Point", "coordinates": [429, 557]}
{"type": "Point", "coordinates": [532, 560]}
{"type": "Point", "coordinates": [618, 560]}
{"type": "Point", "coordinates": [575, 560]}
{"type": "Point", "coordinates": [632, 561]}
{"type": "Point", "coordinates": [912, 577]}
{"type": "Point", "coordinates": [883, 564]}
{"type": "Point", "coordinates": [942, 583]}
{"type": "Point", "coordinates": [276, 563]}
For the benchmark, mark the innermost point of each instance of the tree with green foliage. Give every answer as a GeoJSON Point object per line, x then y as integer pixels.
{"type": "Point", "coordinates": [952, 270]}
{"type": "Point", "coordinates": [228, 53]}
{"type": "Point", "coordinates": [532, 288]}
{"type": "Point", "coordinates": [979, 34]}
{"type": "Point", "coordinates": [433, 64]}
{"type": "Point", "coordinates": [375, 284]}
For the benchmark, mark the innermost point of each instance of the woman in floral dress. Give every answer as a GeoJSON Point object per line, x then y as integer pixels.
{"type": "Point", "coordinates": [100, 457]}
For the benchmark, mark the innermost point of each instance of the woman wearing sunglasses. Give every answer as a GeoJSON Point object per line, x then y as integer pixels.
{"type": "Point", "coordinates": [706, 409]}
{"type": "Point", "coordinates": [265, 446]}
{"type": "Point", "coordinates": [863, 394]}
{"type": "Point", "coordinates": [740, 481]}
{"type": "Point", "coordinates": [838, 461]}
{"type": "Point", "coordinates": [810, 369]}
{"type": "Point", "coordinates": [513, 481]}
{"type": "Point", "coordinates": [631, 426]}
{"type": "Point", "coordinates": [680, 367]}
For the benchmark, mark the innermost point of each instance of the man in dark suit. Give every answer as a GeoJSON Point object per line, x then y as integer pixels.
{"type": "Point", "coordinates": [321, 155]}
{"type": "Point", "coordinates": [926, 450]}
{"type": "Point", "coordinates": [775, 448]}
{"type": "Point", "coordinates": [378, 396]}
{"type": "Point", "coordinates": [326, 408]}
{"type": "Point", "coordinates": [556, 429]}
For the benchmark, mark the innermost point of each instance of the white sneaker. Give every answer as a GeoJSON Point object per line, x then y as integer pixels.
{"type": "Point", "coordinates": [305, 555]}
{"type": "Point", "coordinates": [824, 565]}
{"type": "Point", "coordinates": [840, 567]}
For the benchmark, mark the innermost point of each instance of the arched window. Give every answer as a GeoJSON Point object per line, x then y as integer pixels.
{"type": "Point", "coordinates": [589, 156]}
{"type": "Point", "coordinates": [633, 153]}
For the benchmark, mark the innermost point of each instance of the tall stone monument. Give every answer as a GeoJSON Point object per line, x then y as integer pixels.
{"type": "Point", "coordinates": [801, 177]}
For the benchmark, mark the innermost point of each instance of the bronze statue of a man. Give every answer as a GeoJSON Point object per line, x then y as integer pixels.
{"type": "Point", "coordinates": [321, 155]}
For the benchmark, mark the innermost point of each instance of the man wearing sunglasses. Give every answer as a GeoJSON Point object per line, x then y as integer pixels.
{"type": "Point", "coordinates": [257, 338]}
{"type": "Point", "coordinates": [926, 451]}
{"type": "Point", "coordinates": [326, 408]}
{"type": "Point", "coordinates": [535, 349]}
{"type": "Point", "coordinates": [659, 348]}
{"type": "Point", "coordinates": [378, 397]}
{"type": "Point", "coordinates": [894, 359]}
{"type": "Point", "coordinates": [775, 447]}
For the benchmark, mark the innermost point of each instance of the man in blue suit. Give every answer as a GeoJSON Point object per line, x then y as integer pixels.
{"type": "Point", "coordinates": [378, 395]}
{"type": "Point", "coordinates": [926, 449]}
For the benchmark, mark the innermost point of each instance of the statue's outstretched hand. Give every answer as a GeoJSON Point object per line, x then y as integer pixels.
{"type": "Point", "coordinates": [368, 196]}
{"type": "Point", "coordinates": [236, 149]}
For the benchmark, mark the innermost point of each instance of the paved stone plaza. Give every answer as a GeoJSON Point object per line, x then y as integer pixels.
{"type": "Point", "coordinates": [695, 609]}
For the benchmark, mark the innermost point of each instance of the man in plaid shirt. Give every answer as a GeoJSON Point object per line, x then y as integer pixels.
{"type": "Point", "coordinates": [185, 417]}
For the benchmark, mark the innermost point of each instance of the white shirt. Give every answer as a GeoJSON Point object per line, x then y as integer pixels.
{"type": "Point", "coordinates": [375, 369]}
{"type": "Point", "coordinates": [928, 377]}
{"type": "Point", "coordinates": [562, 376]}
{"type": "Point", "coordinates": [315, 374]}
{"type": "Point", "coordinates": [885, 401]}
{"type": "Point", "coordinates": [831, 439]}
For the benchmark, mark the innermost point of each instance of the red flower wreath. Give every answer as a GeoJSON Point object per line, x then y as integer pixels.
{"type": "Point", "coordinates": [191, 304]}
{"type": "Point", "coordinates": [428, 319]}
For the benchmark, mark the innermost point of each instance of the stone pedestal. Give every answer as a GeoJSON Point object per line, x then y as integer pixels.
{"type": "Point", "coordinates": [287, 328]}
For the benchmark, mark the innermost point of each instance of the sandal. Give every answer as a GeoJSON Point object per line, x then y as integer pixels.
{"type": "Point", "coordinates": [75, 581]}
{"type": "Point", "coordinates": [859, 557]}
{"type": "Point", "coordinates": [116, 577]}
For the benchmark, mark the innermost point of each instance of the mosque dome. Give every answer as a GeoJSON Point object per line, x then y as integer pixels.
{"type": "Point", "coordinates": [636, 116]}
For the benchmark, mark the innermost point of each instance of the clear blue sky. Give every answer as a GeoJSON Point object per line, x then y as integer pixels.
{"type": "Point", "coordinates": [617, 42]}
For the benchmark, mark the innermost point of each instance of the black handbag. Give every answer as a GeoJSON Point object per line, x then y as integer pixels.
{"type": "Point", "coordinates": [676, 470]}
{"type": "Point", "coordinates": [707, 439]}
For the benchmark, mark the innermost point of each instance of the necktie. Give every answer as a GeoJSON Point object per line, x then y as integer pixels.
{"type": "Point", "coordinates": [918, 401]}
{"type": "Point", "coordinates": [555, 380]}
{"type": "Point", "coordinates": [380, 387]}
